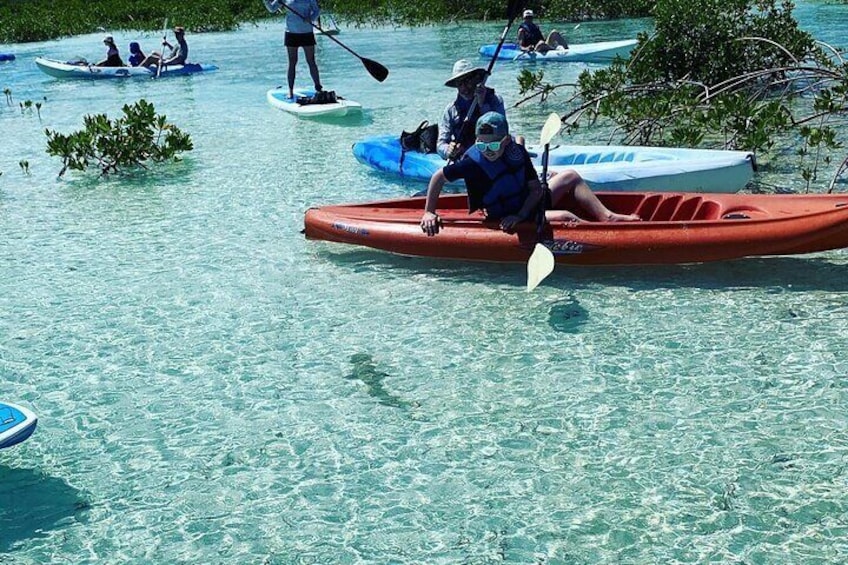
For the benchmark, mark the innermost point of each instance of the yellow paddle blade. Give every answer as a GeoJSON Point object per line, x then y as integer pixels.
{"type": "Point", "coordinates": [540, 265]}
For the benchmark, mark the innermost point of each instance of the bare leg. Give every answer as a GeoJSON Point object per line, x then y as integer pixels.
{"type": "Point", "coordinates": [150, 60]}
{"type": "Point", "coordinates": [309, 51]}
{"type": "Point", "coordinates": [543, 47]}
{"type": "Point", "coordinates": [292, 52]}
{"type": "Point", "coordinates": [556, 39]}
{"type": "Point", "coordinates": [569, 182]}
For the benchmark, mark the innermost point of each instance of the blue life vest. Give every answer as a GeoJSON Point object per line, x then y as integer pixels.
{"type": "Point", "coordinates": [532, 34]}
{"type": "Point", "coordinates": [508, 190]}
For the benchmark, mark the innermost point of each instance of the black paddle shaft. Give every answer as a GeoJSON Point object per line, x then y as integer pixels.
{"type": "Point", "coordinates": [374, 68]}
{"type": "Point", "coordinates": [512, 10]}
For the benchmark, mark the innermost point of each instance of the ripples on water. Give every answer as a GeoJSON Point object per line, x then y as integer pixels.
{"type": "Point", "coordinates": [213, 388]}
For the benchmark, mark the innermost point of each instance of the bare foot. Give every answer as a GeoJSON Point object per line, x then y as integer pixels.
{"type": "Point", "coordinates": [561, 216]}
{"type": "Point", "coordinates": [613, 217]}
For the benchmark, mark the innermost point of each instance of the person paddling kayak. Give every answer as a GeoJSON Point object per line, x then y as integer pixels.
{"type": "Point", "coordinates": [502, 182]}
{"type": "Point", "coordinates": [468, 81]}
{"type": "Point", "coordinates": [530, 37]}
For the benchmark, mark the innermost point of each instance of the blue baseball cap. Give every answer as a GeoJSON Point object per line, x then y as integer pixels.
{"type": "Point", "coordinates": [492, 123]}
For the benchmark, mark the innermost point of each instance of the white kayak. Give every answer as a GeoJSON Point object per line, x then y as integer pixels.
{"type": "Point", "coordinates": [622, 168]}
{"type": "Point", "coordinates": [61, 69]}
{"type": "Point", "coordinates": [600, 52]}
{"type": "Point", "coordinates": [279, 98]}
{"type": "Point", "coordinates": [16, 424]}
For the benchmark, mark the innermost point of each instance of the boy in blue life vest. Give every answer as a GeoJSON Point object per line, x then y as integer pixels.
{"type": "Point", "coordinates": [530, 37]}
{"type": "Point", "coordinates": [501, 181]}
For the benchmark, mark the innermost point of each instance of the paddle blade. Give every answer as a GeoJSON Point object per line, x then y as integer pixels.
{"type": "Point", "coordinates": [552, 126]}
{"type": "Point", "coordinates": [540, 265]}
{"type": "Point", "coordinates": [376, 70]}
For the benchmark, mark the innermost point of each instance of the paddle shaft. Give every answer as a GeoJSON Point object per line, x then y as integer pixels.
{"type": "Point", "coordinates": [513, 8]}
{"type": "Point", "coordinates": [376, 69]}
{"type": "Point", "coordinates": [162, 54]}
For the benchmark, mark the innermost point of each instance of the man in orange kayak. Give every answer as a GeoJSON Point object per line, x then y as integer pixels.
{"type": "Point", "coordinates": [502, 182]}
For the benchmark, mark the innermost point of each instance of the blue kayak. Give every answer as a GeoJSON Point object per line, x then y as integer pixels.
{"type": "Point", "coordinates": [61, 69]}
{"type": "Point", "coordinates": [604, 167]}
{"type": "Point", "coordinates": [600, 52]}
{"type": "Point", "coordinates": [16, 424]}
{"type": "Point", "coordinates": [7, 57]}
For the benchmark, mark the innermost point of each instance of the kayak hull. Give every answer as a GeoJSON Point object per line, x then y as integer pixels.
{"type": "Point", "coordinates": [62, 70]}
{"type": "Point", "coordinates": [6, 57]}
{"type": "Point", "coordinates": [16, 424]}
{"type": "Point", "coordinates": [676, 228]}
{"type": "Point", "coordinates": [599, 52]}
{"type": "Point", "coordinates": [603, 167]}
{"type": "Point", "coordinates": [279, 98]}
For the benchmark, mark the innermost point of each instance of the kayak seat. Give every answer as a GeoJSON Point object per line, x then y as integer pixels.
{"type": "Point", "coordinates": [676, 208]}
{"type": "Point", "coordinates": [708, 210]}
{"type": "Point", "coordinates": [667, 207]}
{"type": "Point", "coordinates": [687, 209]}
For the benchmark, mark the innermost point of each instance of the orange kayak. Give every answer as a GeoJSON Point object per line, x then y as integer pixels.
{"type": "Point", "coordinates": [676, 228]}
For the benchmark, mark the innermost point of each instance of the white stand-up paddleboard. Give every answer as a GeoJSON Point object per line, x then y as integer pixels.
{"type": "Point", "coordinates": [16, 424]}
{"type": "Point", "coordinates": [279, 98]}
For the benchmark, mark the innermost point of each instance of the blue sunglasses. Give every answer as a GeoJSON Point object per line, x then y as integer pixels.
{"type": "Point", "coordinates": [491, 146]}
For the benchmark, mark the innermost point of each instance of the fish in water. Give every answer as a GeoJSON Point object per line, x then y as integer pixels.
{"type": "Point", "coordinates": [365, 370]}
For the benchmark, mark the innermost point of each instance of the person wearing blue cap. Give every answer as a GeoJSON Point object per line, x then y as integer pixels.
{"type": "Point", "coordinates": [501, 181]}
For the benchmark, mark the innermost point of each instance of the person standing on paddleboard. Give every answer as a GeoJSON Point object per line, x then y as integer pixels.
{"type": "Point", "coordinates": [468, 80]}
{"type": "Point", "coordinates": [301, 15]}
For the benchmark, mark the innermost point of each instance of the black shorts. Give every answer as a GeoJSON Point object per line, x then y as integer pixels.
{"type": "Point", "coordinates": [299, 39]}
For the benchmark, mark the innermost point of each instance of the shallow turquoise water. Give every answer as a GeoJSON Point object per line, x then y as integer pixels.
{"type": "Point", "coordinates": [213, 388]}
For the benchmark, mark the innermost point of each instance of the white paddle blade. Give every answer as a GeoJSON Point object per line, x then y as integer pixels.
{"type": "Point", "coordinates": [540, 265]}
{"type": "Point", "coordinates": [552, 126]}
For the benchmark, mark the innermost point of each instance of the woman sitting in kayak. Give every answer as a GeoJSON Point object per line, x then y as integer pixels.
{"type": "Point", "coordinates": [502, 182]}
{"type": "Point", "coordinates": [530, 37]}
{"type": "Point", "coordinates": [113, 58]}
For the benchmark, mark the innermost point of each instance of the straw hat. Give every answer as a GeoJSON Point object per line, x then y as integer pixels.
{"type": "Point", "coordinates": [462, 69]}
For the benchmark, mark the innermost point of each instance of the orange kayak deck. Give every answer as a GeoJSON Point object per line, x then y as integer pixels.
{"type": "Point", "coordinates": [675, 228]}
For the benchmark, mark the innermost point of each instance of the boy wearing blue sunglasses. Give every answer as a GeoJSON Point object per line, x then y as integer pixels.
{"type": "Point", "coordinates": [502, 182]}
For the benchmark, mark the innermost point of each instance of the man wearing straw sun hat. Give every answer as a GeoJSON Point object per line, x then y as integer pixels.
{"type": "Point", "coordinates": [468, 81]}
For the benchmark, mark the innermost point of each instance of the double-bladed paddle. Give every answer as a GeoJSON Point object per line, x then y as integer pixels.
{"type": "Point", "coordinates": [512, 10]}
{"type": "Point", "coordinates": [375, 69]}
{"type": "Point", "coordinates": [541, 263]}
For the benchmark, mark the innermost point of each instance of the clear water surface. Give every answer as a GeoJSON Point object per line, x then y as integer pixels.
{"type": "Point", "coordinates": [213, 388]}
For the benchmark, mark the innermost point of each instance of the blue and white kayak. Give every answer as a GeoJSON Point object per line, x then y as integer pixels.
{"type": "Point", "coordinates": [60, 69]}
{"type": "Point", "coordinates": [279, 98]}
{"type": "Point", "coordinates": [16, 424]}
{"type": "Point", "coordinates": [620, 168]}
{"type": "Point", "coordinates": [600, 52]}
{"type": "Point", "coordinates": [6, 57]}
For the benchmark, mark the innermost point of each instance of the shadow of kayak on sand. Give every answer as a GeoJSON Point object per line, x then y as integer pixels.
{"type": "Point", "coordinates": [32, 504]}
